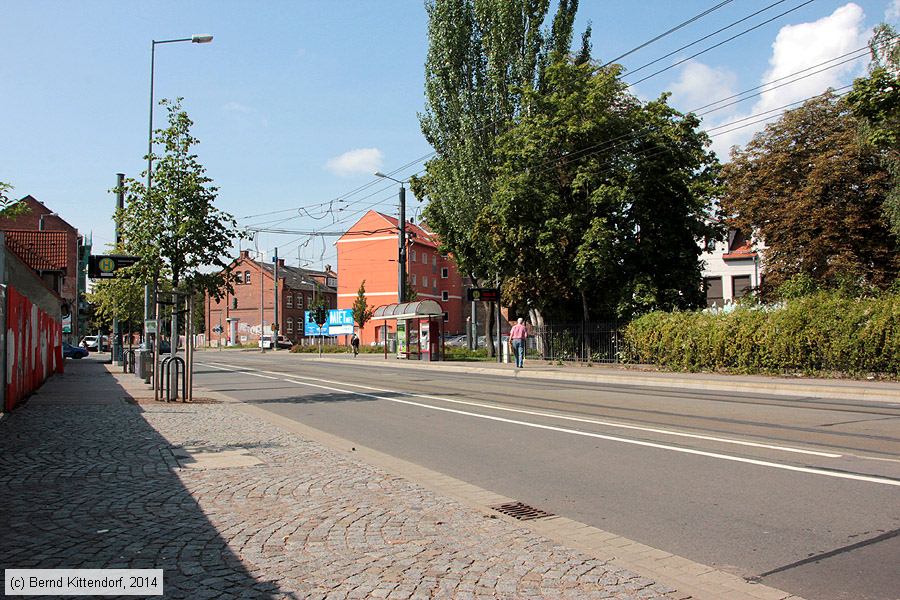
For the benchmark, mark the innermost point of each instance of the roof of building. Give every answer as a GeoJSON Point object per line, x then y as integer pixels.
{"type": "Point", "coordinates": [418, 233]}
{"type": "Point", "coordinates": [299, 278]}
{"type": "Point", "coordinates": [40, 250]}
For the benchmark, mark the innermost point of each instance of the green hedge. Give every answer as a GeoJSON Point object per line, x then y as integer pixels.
{"type": "Point", "coordinates": [815, 334]}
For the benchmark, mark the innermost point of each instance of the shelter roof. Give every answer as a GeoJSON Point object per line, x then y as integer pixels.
{"type": "Point", "coordinates": [408, 310]}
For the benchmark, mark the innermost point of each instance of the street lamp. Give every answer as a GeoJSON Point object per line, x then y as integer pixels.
{"type": "Point", "coordinates": [401, 279]}
{"type": "Point", "coordinates": [203, 38]}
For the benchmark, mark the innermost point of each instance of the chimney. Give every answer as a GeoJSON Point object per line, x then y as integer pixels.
{"type": "Point", "coordinates": [245, 254]}
{"type": "Point", "coordinates": [280, 263]}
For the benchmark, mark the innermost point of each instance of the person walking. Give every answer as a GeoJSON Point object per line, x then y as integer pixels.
{"type": "Point", "coordinates": [518, 335]}
{"type": "Point", "coordinates": [354, 343]}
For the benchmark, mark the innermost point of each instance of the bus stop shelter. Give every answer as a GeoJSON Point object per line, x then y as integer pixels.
{"type": "Point", "coordinates": [419, 329]}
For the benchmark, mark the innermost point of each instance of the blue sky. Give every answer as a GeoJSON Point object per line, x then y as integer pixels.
{"type": "Point", "coordinates": [296, 103]}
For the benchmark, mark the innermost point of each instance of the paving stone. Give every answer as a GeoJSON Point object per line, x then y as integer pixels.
{"type": "Point", "coordinates": [298, 521]}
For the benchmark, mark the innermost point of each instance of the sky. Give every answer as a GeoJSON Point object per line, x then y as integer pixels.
{"type": "Point", "coordinates": [297, 103]}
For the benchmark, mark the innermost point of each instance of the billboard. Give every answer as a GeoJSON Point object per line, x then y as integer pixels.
{"type": "Point", "coordinates": [340, 322]}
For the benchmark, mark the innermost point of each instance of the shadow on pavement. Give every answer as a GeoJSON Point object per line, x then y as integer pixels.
{"type": "Point", "coordinates": [86, 482]}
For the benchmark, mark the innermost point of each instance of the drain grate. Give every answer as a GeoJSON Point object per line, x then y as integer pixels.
{"type": "Point", "coordinates": [521, 511]}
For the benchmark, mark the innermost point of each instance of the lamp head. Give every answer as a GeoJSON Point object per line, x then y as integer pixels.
{"type": "Point", "coordinates": [379, 174]}
{"type": "Point", "coordinates": [201, 38]}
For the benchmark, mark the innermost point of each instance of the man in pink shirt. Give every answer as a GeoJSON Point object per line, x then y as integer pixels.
{"type": "Point", "coordinates": [517, 337]}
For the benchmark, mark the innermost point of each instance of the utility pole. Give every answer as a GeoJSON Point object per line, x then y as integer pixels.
{"type": "Point", "coordinates": [401, 292]}
{"type": "Point", "coordinates": [275, 326]}
{"type": "Point", "coordinates": [262, 312]}
{"type": "Point", "coordinates": [120, 205]}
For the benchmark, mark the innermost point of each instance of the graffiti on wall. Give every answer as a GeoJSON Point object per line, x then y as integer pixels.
{"type": "Point", "coordinates": [33, 347]}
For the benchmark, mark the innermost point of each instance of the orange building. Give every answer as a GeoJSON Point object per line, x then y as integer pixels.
{"type": "Point", "coordinates": [369, 251]}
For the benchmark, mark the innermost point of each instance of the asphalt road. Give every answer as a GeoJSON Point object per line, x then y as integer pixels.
{"type": "Point", "coordinates": [802, 494]}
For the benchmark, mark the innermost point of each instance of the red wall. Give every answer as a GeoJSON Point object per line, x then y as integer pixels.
{"type": "Point", "coordinates": [34, 347]}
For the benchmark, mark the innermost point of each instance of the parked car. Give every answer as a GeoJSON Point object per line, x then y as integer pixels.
{"type": "Point", "coordinates": [89, 343]}
{"type": "Point", "coordinates": [281, 341]}
{"type": "Point", "coordinates": [75, 352]}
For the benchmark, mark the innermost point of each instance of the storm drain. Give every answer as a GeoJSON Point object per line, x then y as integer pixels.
{"type": "Point", "coordinates": [520, 511]}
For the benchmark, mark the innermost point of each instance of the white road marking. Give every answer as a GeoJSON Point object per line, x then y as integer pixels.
{"type": "Point", "coordinates": [578, 419]}
{"type": "Point", "coordinates": [728, 457]}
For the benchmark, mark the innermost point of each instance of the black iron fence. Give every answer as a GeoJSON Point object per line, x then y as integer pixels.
{"type": "Point", "coordinates": [579, 342]}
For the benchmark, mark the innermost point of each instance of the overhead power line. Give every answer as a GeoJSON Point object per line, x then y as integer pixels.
{"type": "Point", "coordinates": [723, 42]}
{"type": "Point", "coordinates": [670, 31]}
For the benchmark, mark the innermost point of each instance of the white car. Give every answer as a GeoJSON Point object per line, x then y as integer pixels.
{"type": "Point", "coordinates": [89, 343]}
{"type": "Point", "coordinates": [266, 342]}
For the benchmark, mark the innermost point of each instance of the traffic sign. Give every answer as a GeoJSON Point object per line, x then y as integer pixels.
{"type": "Point", "coordinates": [151, 325]}
{"type": "Point", "coordinates": [483, 294]}
{"type": "Point", "coordinates": [104, 266]}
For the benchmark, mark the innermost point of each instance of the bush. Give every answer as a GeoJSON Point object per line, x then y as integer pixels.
{"type": "Point", "coordinates": [822, 332]}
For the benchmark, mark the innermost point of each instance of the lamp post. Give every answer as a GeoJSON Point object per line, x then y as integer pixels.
{"type": "Point", "coordinates": [401, 278]}
{"type": "Point", "coordinates": [195, 39]}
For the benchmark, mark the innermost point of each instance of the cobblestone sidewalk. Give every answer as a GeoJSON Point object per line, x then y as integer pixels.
{"type": "Point", "coordinates": [90, 479]}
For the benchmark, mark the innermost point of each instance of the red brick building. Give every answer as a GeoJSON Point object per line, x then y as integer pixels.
{"type": "Point", "coordinates": [298, 289]}
{"type": "Point", "coordinates": [369, 251]}
{"type": "Point", "coordinates": [49, 245]}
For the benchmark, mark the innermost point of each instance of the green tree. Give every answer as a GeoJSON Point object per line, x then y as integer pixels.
{"type": "Point", "coordinates": [599, 199]}
{"type": "Point", "coordinates": [121, 298]}
{"type": "Point", "coordinates": [875, 101]}
{"type": "Point", "coordinates": [361, 311]}
{"type": "Point", "coordinates": [178, 229]}
{"type": "Point", "coordinates": [814, 191]}
{"type": "Point", "coordinates": [481, 55]}
{"type": "Point", "coordinates": [9, 207]}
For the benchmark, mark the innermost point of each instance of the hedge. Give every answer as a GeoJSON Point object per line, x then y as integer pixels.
{"type": "Point", "coordinates": [815, 334]}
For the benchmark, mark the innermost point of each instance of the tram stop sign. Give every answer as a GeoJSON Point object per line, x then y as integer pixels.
{"type": "Point", "coordinates": [483, 294]}
{"type": "Point", "coordinates": [105, 266]}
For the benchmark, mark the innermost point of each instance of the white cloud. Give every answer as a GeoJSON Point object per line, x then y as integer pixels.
{"type": "Point", "coordinates": [799, 47]}
{"type": "Point", "coordinates": [698, 83]}
{"type": "Point", "coordinates": [237, 107]}
{"type": "Point", "coordinates": [355, 162]}
{"type": "Point", "coordinates": [892, 13]}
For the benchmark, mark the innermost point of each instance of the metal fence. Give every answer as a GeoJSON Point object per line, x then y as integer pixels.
{"type": "Point", "coordinates": [579, 342]}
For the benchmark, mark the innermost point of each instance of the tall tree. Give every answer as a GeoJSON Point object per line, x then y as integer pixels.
{"type": "Point", "coordinates": [482, 54]}
{"type": "Point", "coordinates": [814, 191]}
{"type": "Point", "coordinates": [361, 311]}
{"type": "Point", "coordinates": [178, 229]}
{"type": "Point", "coordinates": [875, 101]}
{"type": "Point", "coordinates": [599, 199]}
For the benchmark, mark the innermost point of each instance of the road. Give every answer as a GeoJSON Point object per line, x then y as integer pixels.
{"type": "Point", "coordinates": [802, 494]}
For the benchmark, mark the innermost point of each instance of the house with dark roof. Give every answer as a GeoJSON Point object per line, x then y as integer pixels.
{"type": "Point", "coordinates": [238, 319]}
{"type": "Point", "coordinates": [50, 246]}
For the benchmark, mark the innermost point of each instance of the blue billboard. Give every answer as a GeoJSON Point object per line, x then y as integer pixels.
{"type": "Point", "coordinates": [340, 322]}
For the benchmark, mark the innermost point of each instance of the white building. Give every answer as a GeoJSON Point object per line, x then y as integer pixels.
{"type": "Point", "coordinates": [733, 268]}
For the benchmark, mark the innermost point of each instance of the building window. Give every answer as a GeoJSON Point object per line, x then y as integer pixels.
{"type": "Point", "coordinates": [434, 283]}
{"type": "Point", "coordinates": [434, 260]}
{"type": "Point", "coordinates": [425, 281]}
{"type": "Point", "coordinates": [445, 295]}
{"type": "Point", "coordinates": [290, 324]}
{"type": "Point", "coordinates": [412, 255]}
{"type": "Point", "coordinates": [445, 272]}
{"type": "Point", "coordinates": [713, 287]}
{"type": "Point", "coordinates": [740, 286]}
{"type": "Point", "coordinates": [413, 278]}
{"type": "Point", "coordinates": [424, 258]}
{"type": "Point", "coordinates": [246, 276]}
{"type": "Point", "coordinates": [300, 301]}
{"type": "Point", "coordinates": [289, 300]}
{"type": "Point", "coordinates": [331, 281]}
{"type": "Point", "coordinates": [446, 316]}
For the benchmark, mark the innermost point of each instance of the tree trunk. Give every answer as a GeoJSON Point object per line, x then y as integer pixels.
{"type": "Point", "coordinates": [541, 341]}
{"type": "Point", "coordinates": [585, 320]}
{"type": "Point", "coordinates": [490, 331]}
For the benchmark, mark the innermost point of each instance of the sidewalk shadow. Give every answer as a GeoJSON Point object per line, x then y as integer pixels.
{"type": "Point", "coordinates": [85, 482]}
